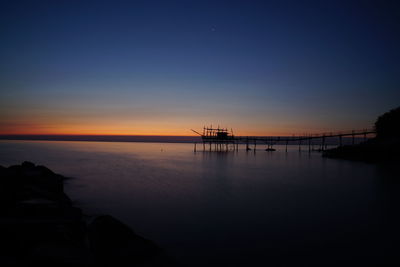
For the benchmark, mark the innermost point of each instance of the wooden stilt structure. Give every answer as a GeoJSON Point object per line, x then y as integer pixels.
{"type": "Point", "coordinates": [219, 139]}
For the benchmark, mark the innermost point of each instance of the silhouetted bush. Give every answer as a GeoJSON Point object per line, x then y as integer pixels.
{"type": "Point", "coordinates": [388, 124]}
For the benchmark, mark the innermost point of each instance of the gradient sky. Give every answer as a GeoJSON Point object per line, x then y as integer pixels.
{"type": "Point", "coordinates": [163, 67]}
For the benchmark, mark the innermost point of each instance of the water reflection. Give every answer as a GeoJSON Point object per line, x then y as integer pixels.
{"type": "Point", "coordinates": [232, 208]}
{"type": "Point", "coordinates": [216, 175]}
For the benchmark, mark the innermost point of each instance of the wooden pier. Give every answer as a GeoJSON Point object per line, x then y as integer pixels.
{"type": "Point", "coordinates": [220, 139]}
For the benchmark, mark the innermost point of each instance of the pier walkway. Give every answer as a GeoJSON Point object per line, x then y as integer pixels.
{"type": "Point", "coordinates": [217, 139]}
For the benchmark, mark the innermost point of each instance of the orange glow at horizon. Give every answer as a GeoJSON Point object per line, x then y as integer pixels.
{"type": "Point", "coordinates": [149, 129]}
{"type": "Point", "coordinates": [99, 130]}
{"type": "Point", "coordinates": [179, 124]}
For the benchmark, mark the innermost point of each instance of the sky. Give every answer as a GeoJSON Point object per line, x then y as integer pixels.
{"type": "Point", "coordinates": [165, 67]}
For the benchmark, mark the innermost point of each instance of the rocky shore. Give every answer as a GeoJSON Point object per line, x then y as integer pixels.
{"type": "Point", "coordinates": [385, 147]}
{"type": "Point", "coordinates": [372, 151]}
{"type": "Point", "coordinates": [41, 227]}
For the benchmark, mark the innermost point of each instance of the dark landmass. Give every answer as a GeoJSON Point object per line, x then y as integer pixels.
{"type": "Point", "coordinates": [371, 151]}
{"type": "Point", "coordinates": [384, 148]}
{"type": "Point", "coordinates": [106, 138]}
{"type": "Point", "coordinates": [39, 226]}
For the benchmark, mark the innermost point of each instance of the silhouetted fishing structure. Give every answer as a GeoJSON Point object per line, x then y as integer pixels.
{"type": "Point", "coordinates": [220, 139]}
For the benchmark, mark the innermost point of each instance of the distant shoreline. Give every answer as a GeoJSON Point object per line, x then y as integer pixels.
{"type": "Point", "coordinates": [105, 138]}
{"type": "Point", "coordinates": [141, 139]}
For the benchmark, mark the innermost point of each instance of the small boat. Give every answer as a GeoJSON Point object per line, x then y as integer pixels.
{"type": "Point", "coordinates": [270, 149]}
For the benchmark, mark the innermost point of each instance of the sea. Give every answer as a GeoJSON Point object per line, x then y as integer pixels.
{"type": "Point", "coordinates": [232, 208]}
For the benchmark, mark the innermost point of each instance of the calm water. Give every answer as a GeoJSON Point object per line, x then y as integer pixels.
{"type": "Point", "coordinates": [235, 208]}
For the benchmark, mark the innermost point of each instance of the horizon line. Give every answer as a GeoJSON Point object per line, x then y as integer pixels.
{"type": "Point", "coordinates": [8, 134]}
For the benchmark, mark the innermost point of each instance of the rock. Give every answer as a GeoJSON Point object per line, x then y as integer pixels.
{"type": "Point", "coordinates": [43, 178]}
{"type": "Point", "coordinates": [27, 165]}
{"type": "Point", "coordinates": [40, 227]}
{"type": "Point", "coordinates": [45, 171]}
{"type": "Point", "coordinates": [50, 254]}
{"type": "Point", "coordinates": [114, 243]}
{"type": "Point", "coordinates": [27, 181]}
{"type": "Point", "coordinates": [35, 210]}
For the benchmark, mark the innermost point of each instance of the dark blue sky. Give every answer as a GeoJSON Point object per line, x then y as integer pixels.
{"type": "Point", "coordinates": [154, 67]}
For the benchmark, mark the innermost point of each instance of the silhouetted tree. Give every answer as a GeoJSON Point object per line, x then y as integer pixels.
{"type": "Point", "coordinates": [388, 124]}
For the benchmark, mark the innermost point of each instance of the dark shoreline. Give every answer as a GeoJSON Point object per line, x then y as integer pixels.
{"type": "Point", "coordinates": [41, 227]}
{"type": "Point", "coordinates": [372, 151]}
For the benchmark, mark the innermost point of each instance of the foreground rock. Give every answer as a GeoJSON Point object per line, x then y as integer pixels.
{"type": "Point", "coordinates": [113, 243]}
{"type": "Point", "coordinates": [40, 227]}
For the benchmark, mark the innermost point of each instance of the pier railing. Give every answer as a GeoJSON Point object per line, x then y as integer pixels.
{"type": "Point", "coordinates": [232, 142]}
